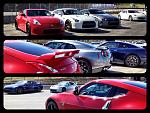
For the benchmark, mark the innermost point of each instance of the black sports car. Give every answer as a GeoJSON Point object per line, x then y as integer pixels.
{"type": "Point", "coordinates": [127, 53]}
{"type": "Point", "coordinates": [23, 86]}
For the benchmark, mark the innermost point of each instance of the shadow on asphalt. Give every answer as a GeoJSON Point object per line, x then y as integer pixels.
{"type": "Point", "coordinates": [119, 27]}
{"type": "Point", "coordinates": [91, 31]}
{"type": "Point", "coordinates": [121, 65]}
{"type": "Point", "coordinates": [23, 93]}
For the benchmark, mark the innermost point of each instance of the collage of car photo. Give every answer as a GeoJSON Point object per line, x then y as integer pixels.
{"type": "Point", "coordinates": [75, 56]}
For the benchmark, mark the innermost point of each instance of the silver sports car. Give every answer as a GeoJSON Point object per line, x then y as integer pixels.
{"type": "Point", "coordinates": [90, 58]}
{"type": "Point", "coordinates": [63, 86]}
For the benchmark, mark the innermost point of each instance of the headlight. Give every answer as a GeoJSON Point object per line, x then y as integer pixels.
{"type": "Point", "coordinates": [36, 22]}
{"type": "Point", "coordinates": [76, 20]}
{"type": "Point", "coordinates": [104, 19]}
{"type": "Point", "coordinates": [96, 19]}
{"type": "Point", "coordinates": [61, 22]}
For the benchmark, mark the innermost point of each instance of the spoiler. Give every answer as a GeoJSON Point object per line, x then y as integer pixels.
{"type": "Point", "coordinates": [58, 55]}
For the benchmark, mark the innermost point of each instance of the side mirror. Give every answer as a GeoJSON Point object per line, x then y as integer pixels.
{"type": "Point", "coordinates": [76, 91]}
{"type": "Point", "coordinates": [60, 14]}
{"type": "Point", "coordinates": [22, 14]}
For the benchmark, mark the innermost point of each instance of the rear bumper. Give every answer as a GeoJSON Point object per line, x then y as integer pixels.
{"type": "Point", "coordinates": [9, 90]}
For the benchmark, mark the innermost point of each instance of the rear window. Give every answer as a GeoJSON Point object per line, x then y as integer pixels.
{"type": "Point", "coordinates": [29, 48]}
{"type": "Point", "coordinates": [137, 84]}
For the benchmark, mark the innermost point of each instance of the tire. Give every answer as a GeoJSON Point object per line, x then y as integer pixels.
{"type": "Point", "coordinates": [63, 89]}
{"type": "Point", "coordinates": [119, 17]}
{"type": "Point", "coordinates": [28, 29]}
{"type": "Point", "coordinates": [19, 90]}
{"type": "Point", "coordinates": [85, 66]}
{"type": "Point", "coordinates": [68, 25]}
{"type": "Point", "coordinates": [51, 105]}
{"type": "Point", "coordinates": [132, 61]}
{"type": "Point", "coordinates": [130, 18]}
{"type": "Point", "coordinates": [16, 25]}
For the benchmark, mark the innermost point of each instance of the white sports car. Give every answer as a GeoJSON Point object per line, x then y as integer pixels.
{"type": "Point", "coordinates": [73, 19]}
{"type": "Point", "coordinates": [131, 15]}
{"type": "Point", "coordinates": [63, 86]}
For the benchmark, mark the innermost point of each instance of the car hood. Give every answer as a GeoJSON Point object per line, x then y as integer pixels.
{"type": "Point", "coordinates": [81, 17]}
{"type": "Point", "coordinates": [105, 16]}
{"type": "Point", "coordinates": [45, 19]}
{"type": "Point", "coordinates": [54, 86]}
{"type": "Point", "coordinates": [11, 86]}
{"type": "Point", "coordinates": [138, 14]}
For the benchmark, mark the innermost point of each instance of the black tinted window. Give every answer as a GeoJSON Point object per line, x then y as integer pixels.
{"type": "Point", "coordinates": [54, 45]}
{"type": "Point", "coordinates": [96, 89]}
{"type": "Point", "coordinates": [70, 46]}
{"type": "Point", "coordinates": [29, 48]}
{"type": "Point", "coordinates": [38, 13]}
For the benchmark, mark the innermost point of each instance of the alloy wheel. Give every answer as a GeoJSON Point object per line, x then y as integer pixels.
{"type": "Point", "coordinates": [132, 61]}
{"type": "Point", "coordinates": [85, 66]}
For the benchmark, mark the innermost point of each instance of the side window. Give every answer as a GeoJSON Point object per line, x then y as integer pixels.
{"type": "Point", "coordinates": [61, 46]}
{"type": "Point", "coordinates": [123, 46]}
{"type": "Point", "coordinates": [69, 46]}
{"type": "Point", "coordinates": [113, 45]}
{"type": "Point", "coordinates": [24, 12]}
{"type": "Point", "coordinates": [96, 89]}
{"type": "Point", "coordinates": [52, 45]}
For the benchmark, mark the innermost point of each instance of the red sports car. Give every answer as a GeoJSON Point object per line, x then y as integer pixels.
{"type": "Point", "coordinates": [102, 94]}
{"type": "Point", "coordinates": [38, 22]}
{"type": "Point", "coordinates": [27, 57]}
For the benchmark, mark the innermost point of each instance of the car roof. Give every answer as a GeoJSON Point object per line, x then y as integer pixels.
{"type": "Point", "coordinates": [121, 42]}
{"type": "Point", "coordinates": [65, 8]}
{"type": "Point", "coordinates": [122, 83]}
{"type": "Point", "coordinates": [36, 9]}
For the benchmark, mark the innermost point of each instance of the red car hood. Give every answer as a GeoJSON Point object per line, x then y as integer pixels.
{"type": "Point", "coordinates": [45, 19]}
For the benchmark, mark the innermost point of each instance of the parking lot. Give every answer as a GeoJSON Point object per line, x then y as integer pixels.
{"type": "Point", "coordinates": [124, 69]}
{"type": "Point", "coordinates": [26, 101]}
{"type": "Point", "coordinates": [128, 28]}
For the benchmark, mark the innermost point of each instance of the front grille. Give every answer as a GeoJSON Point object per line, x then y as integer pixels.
{"type": "Point", "coordinates": [88, 24]}
{"type": "Point", "coordinates": [113, 22]}
{"type": "Point", "coordinates": [49, 31]}
{"type": "Point", "coordinates": [53, 90]}
{"type": "Point", "coordinates": [142, 18]}
{"type": "Point", "coordinates": [52, 25]}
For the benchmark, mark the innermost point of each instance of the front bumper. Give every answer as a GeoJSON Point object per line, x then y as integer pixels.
{"type": "Point", "coordinates": [81, 25]}
{"type": "Point", "coordinates": [109, 23]}
{"type": "Point", "coordinates": [46, 29]}
{"type": "Point", "coordinates": [139, 18]}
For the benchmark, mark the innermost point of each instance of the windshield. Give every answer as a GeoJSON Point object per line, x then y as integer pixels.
{"type": "Point", "coordinates": [28, 47]}
{"type": "Point", "coordinates": [71, 12]}
{"type": "Point", "coordinates": [62, 83]}
{"type": "Point", "coordinates": [38, 13]}
{"type": "Point", "coordinates": [20, 82]}
{"type": "Point", "coordinates": [133, 11]}
{"type": "Point", "coordinates": [94, 11]}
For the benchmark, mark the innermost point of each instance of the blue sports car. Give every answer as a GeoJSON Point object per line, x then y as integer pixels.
{"type": "Point", "coordinates": [126, 53]}
{"type": "Point", "coordinates": [23, 87]}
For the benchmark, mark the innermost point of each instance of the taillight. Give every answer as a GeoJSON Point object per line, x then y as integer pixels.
{"type": "Point", "coordinates": [102, 52]}
{"type": "Point", "coordinates": [43, 68]}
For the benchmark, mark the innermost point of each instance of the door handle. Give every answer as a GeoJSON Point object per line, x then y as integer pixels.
{"type": "Point", "coordinates": [106, 105]}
